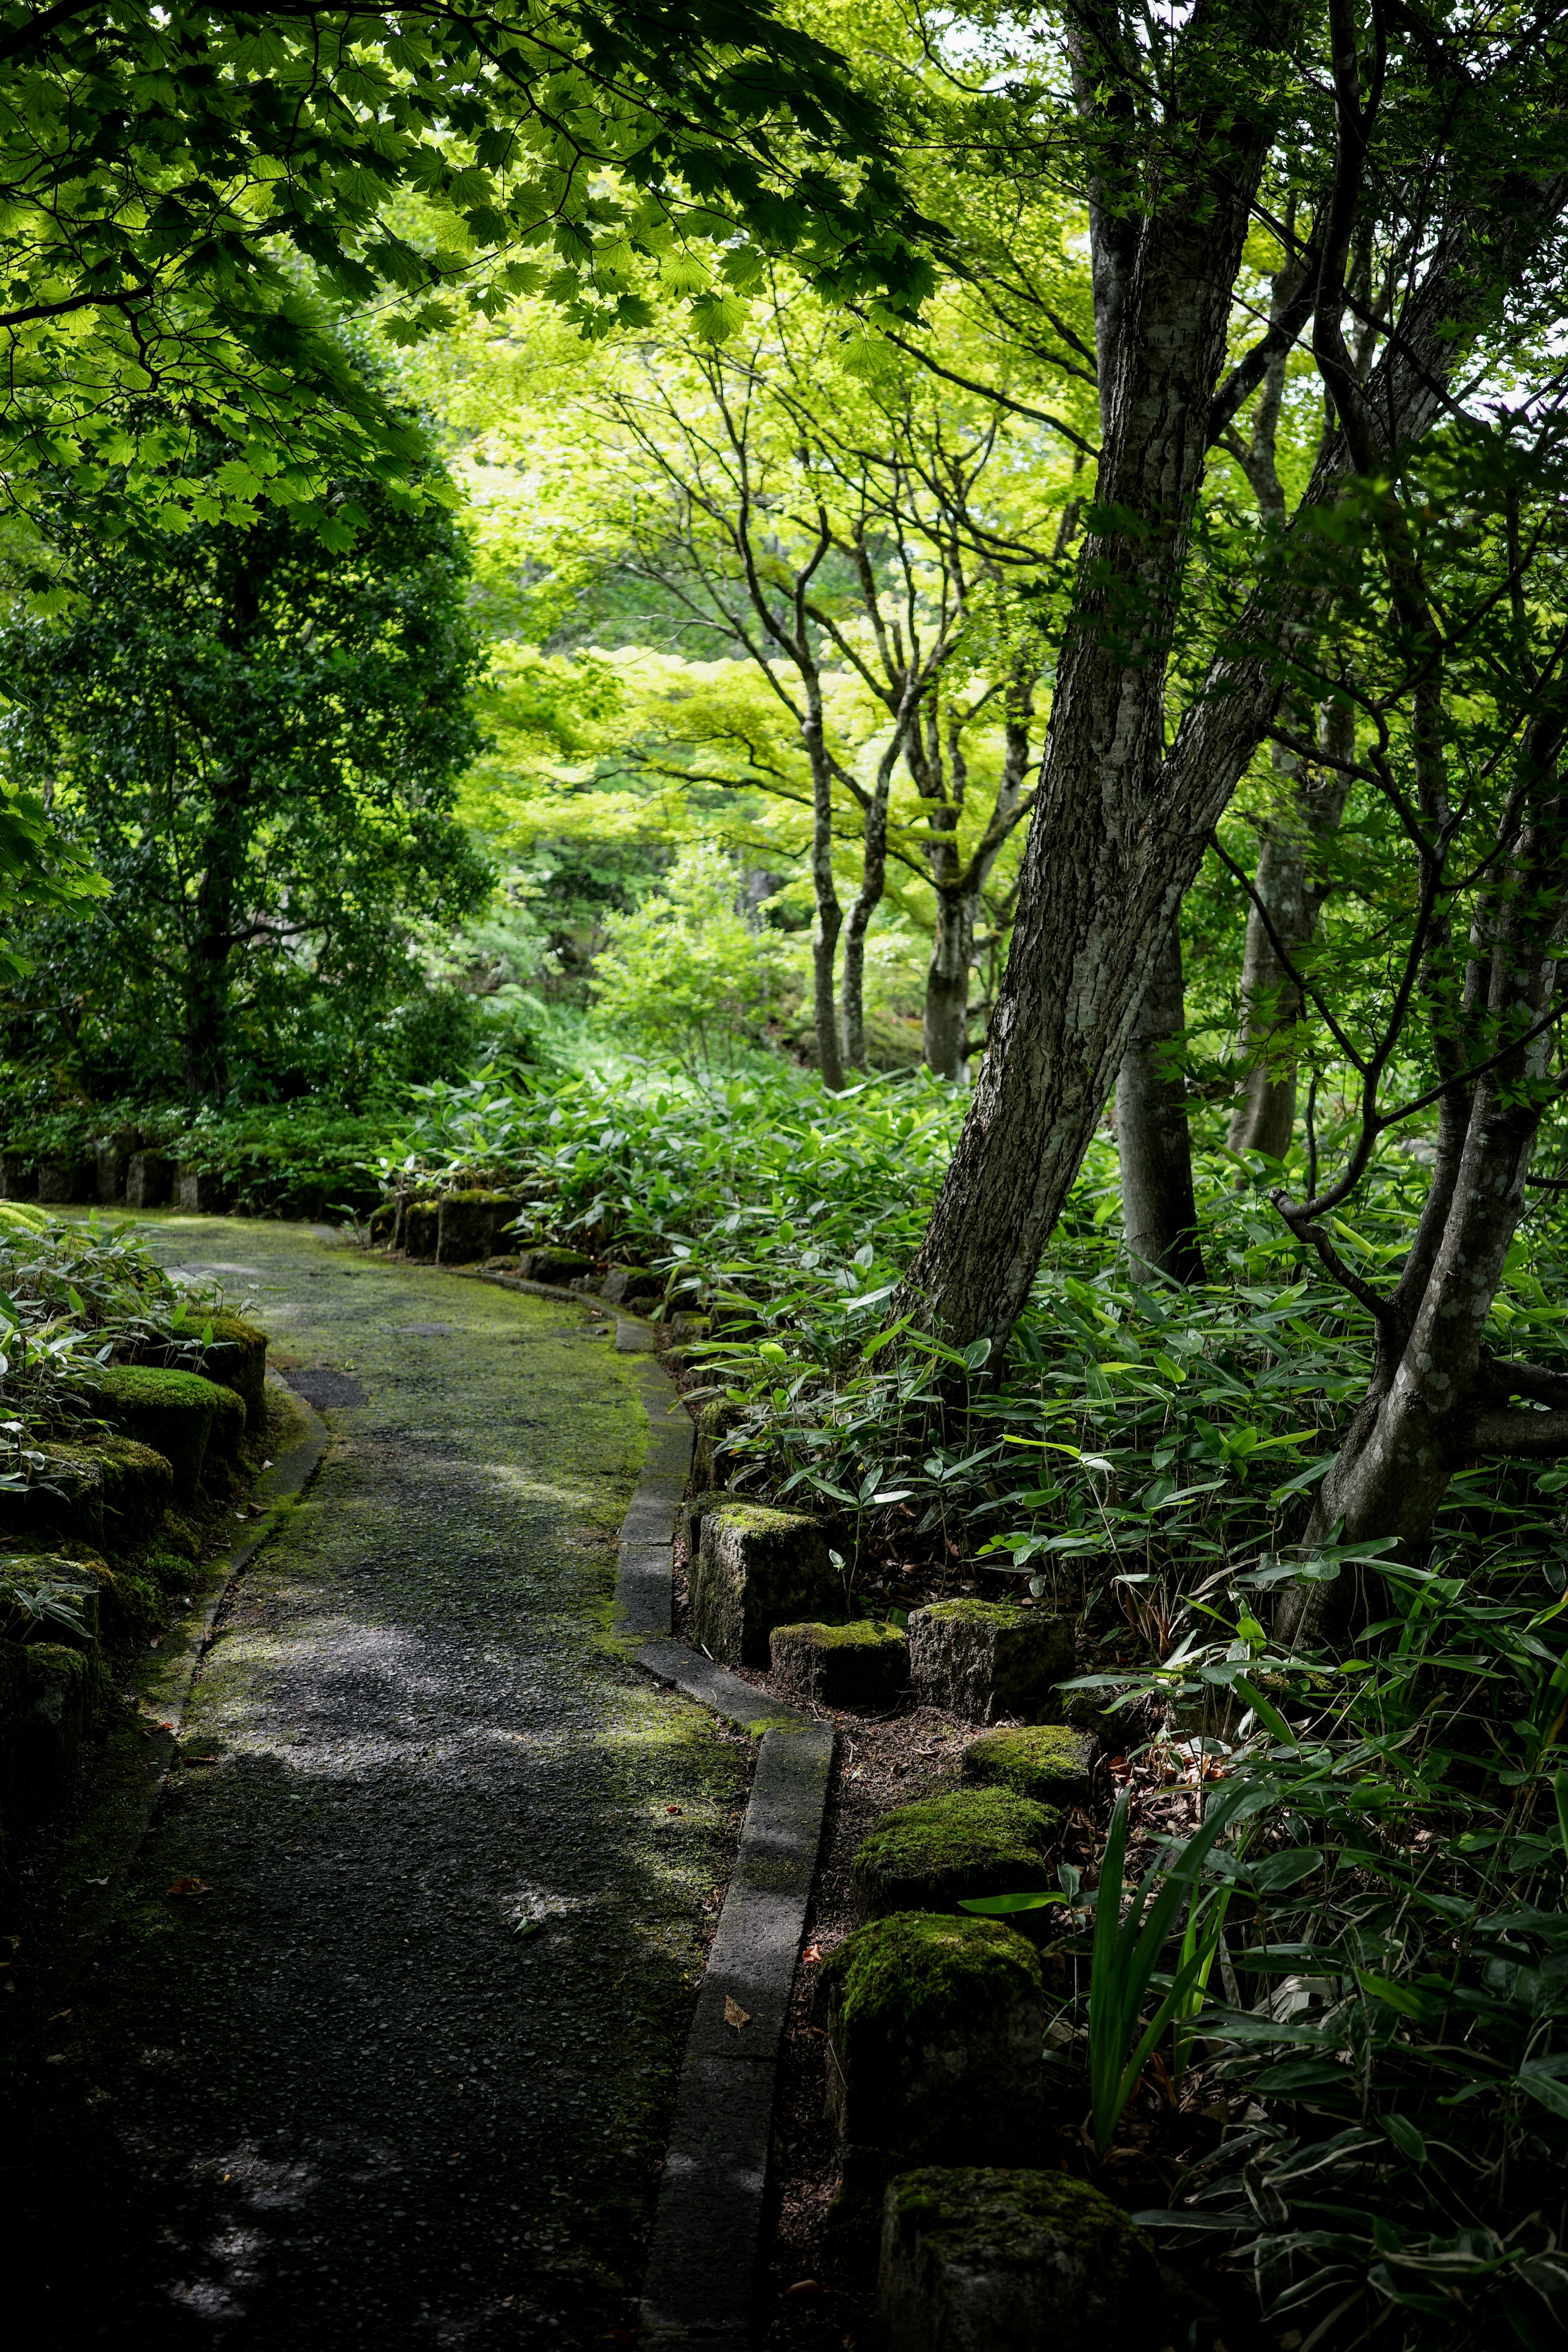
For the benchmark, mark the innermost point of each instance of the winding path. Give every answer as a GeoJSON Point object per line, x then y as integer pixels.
{"type": "Point", "coordinates": [403, 2074]}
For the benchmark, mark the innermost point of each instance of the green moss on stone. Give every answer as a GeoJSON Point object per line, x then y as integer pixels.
{"type": "Point", "coordinates": [1049, 1761]}
{"type": "Point", "coordinates": [758, 1518]}
{"type": "Point", "coordinates": [1094, 2264]}
{"type": "Point", "coordinates": [976, 1612]}
{"type": "Point", "coordinates": [917, 1969]}
{"type": "Point", "coordinates": [171, 1411]}
{"type": "Point", "coordinates": [929, 1856]}
{"type": "Point", "coordinates": [859, 1664]}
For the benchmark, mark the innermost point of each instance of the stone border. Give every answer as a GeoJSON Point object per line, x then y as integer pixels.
{"type": "Point", "coordinates": [99, 1852]}
{"type": "Point", "coordinates": [706, 2250]}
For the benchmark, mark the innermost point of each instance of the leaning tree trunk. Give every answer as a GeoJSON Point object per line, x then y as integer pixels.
{"type": "Point", "coordinates": [1279, 923]}
{"type": "Point", "coordinates": [1158, 1209]}
{"type": "Point", "coordinates": [1117, 831]}
{"type": "Point", "coordinates": [1437, 1397]}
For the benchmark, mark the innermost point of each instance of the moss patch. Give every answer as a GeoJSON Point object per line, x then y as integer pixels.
{"type": "Point", "coordinates": [913, 1970]}
{"type": "Point", "coordinates": [860, 1665]}
{"type": "Point", "coordinates": [929, 1856]}
{"type": "Point", "coordinates": [1091, 2263]}
{"type": "Point", "coordinates": [1049, 1761]}
{"type": "Point", "coordinates": [976, 1612]}
{"type": "Point", "coordinates": [171, 1411]}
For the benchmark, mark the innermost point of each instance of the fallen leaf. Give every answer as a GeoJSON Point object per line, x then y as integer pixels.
{"type": "Point", "coordinates": [190, 1886]}
{"type": "Point", "coordinates": [60, 2017]}
{"type": "Point", "coordinates": [156, 1642]}
{"type": "Point", "coordinates": [672, 1809]}
{"type": "Point", "coordinates": [56, 2058]}
{"type": "Point", "coordinates": [528, 1926]}
{"type": "Point", "coordinates": [806, 2286]}
{"type": "Point", "coordinates": [734, 2014]}
{"type": "Point", "coordinates": [811, 1956]}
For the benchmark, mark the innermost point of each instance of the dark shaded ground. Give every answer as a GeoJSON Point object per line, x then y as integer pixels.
{"type": "Point", "coordinates": [402, 2075]}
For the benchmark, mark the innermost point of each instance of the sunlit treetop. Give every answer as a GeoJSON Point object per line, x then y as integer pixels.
{"type": "Point", "coordinates": [193, 197]}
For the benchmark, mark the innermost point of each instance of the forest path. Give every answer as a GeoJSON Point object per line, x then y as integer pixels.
{"type": "Point", "coordinates": [403, 2074]}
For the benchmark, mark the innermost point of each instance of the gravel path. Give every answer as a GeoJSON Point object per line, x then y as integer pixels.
{"type": "Point", "coordinates": [403, 2075]}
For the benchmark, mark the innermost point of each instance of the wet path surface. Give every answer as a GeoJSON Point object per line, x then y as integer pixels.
{"type": "Point", "coordinates": [403, 2075]}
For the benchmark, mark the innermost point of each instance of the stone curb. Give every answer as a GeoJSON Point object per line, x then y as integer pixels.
{"type": "Point", "coordinates": [101, 1853]}
{"type": "Point", "coordinates": [701, 2281]}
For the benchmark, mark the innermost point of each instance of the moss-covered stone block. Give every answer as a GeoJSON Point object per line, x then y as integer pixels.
{"type": "Point", "coordinates": [557, 1265]}
{"type": "Point", "coordinates": [935, 2029]}
{"type": "Point", "coordinates": [1000, 2261]}
{"type": "Point", "coordinates": [632, 1285]}
{"type": "Point", "coordinates": [421, 1228]}
{"type": "Point", "coordinates": [468, 1222]}
{"type": "Point", "coordinates": [68, 1179]}
{"type": "Point", "coordinates": [138, 1488]}
{"type": "Point", "coordinates": [24, 1572]}
{"type": "Point", "coordinates": [382, 1224]}
{"type": "Point", "coordinates": [235, 1358]}
{"type": "Point", "coordinates": [111, 1165]}
{"type": "Point", "coordinates": [168, 1410]}
{"type": "Point", "coordinates": [756, 1569]}
{"type": "Point", "coordinates": [149, 1180]}
{"type": "Point", "coordinates": [930, 1855]}
{"type": "Point", "coordinates": [715, 1420]}
{"type": "Point", "coordinates": [982, 1659]}
{"type": "Point", "coordinates": [65, 1497]}
{"type": "Point", "coordinates": [697, 1507]}
{"type": "Point", "coordinates": [51, 1695]}
{"type": "Point", "coordinates": [1051, 1762]}
{"type": "Point", "coordinates": [200, 1190]}
{"type": "Point", "coordinates": [858, 1666]}
{"type": "Point", "coordinates": [226, 1439]}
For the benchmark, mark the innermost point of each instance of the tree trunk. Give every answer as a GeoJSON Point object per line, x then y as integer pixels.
{"type": "Point", "coordinates": [829, 913]}
{"type": "Point", "coordinates": [945, 1022]}
{"type": "Point", "coordinates": [1158, 1209]}
{"type": "Point", "coordinates": [864, 905]}
{"type": "Point", "coordinates": [1292, 895]}
{"type": "Point", "coordinates": [1437, 1397]}
{"type": "Point", "coordinates": [1117, 833]}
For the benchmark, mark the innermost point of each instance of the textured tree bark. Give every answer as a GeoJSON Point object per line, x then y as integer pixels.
{"type": "Point", "coordinates": [1118, 832]}
{"type": "Point", "coordinates": [1313, 802]}
{"type": "Point", "coordinates": [1158, 1209]}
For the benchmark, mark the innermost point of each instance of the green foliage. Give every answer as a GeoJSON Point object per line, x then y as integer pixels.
{"type": "Point", "coordinates": [1131, 1928]}
{"type": "Point", "coordinates": [210, 193]}
{"type": "Point", "coordinates": [258, 741]}
{"type": "Point", "coordinates": [686, 974]}
{"type": "Point", "coordinates": [69, 1294]}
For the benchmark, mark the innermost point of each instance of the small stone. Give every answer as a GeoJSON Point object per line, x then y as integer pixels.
{"type": "Point", "coordinates": [1049, 1761]}
{"type": "Point", "coordinates": [756, 1569]}
{"type": "Point", "coordinates": [982, 1659]}
{"type": "Point", "coordinates": [930, 1855]}
{"type": "Point", "coordinates": [1012, 2261]}
{"type": "Point", "coordinates": [855, 1666]}
{"type": "Point", "coordinates": [935, 2030]}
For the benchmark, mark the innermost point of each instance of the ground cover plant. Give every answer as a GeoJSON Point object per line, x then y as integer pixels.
{"type": "Point", "coordinates": [1365, 1981]}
